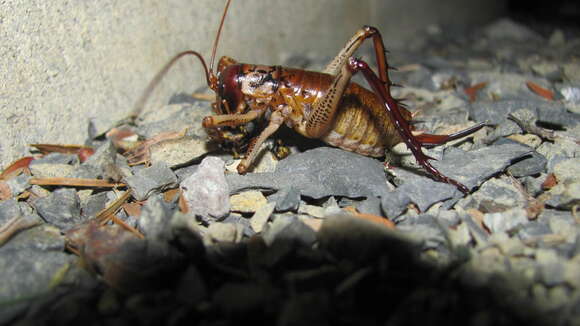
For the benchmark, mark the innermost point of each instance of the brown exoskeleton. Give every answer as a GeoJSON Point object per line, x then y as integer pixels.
{"type": "Point", "coordinates": [323, 105]}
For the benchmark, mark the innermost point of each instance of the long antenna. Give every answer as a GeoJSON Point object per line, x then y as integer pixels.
{"type": "Point", "coordinates": [217, 38]}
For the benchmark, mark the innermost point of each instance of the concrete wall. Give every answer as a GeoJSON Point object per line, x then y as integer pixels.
{"type": "Point", "coordinates": [65, 62]}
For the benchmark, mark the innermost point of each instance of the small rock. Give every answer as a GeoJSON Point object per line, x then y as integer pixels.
{"type": "Point", "coordinates": [287, 199]}
{"type": "Point", "coordinates": [568, 170]}
{"type": "Point", "coordinates": [506, 220]}
{"type": "Point", "coordinates": [510, 30]}
{"type": "Point", "coordinates": [223, 232]}
{"type": "Point", "coordinates": [557, 152]}
{"type": "Point", "coordinates": [8, 209]}
{"type": "Point", "coordinates": [371, 205]}
{"type": "Point", "coordinates": [61, 208]}
{"type": "Point", "coordinates": [497, 111]}
{"type": "Point", "coordinates": [288, 228]}
{"type": "Point", "coordinates": [315, 211]}
{"type": "Point", "coordinates": [550, 268]}
{"type": "Point", "coordinates": [236, 218]}
{"type": "Point", "coordinates": [94, 204]}
{"type": "Point", "coordinates": [527, 139]}
{"type": "Point", "coordinates": [549, 70]}
{"type": "Point", "coordinates": [18, 184]}
{"type": "Point", "coordinates": [571, 94]}
{"type": "Point", "coordinates": [508, 246]}
{"type": "Point", "coordinates": [425, 229]}
{"type": "Point", "coordinates": [533, 230]}
{"type": "Point", "coordinates": [156, 178]}
{"type": "Point", "coordinates": [155, 218]}
{"type": "Point", "coordinates": [532, 165]}
{"type": "Point", "coordinates": [571, 272]}
{"type": "Point", "coordinates": [557, 38]}
{"type": "Point", "coordinates": [51, 170]}
{"type": "Point", "coordinates": [260, 218]}
{"type": "Point", "coordinates": [206, 190]}
{"type": "Point", "coordinates": [495, 195]}
{"type": "Point", "coordinates": [102, 164]}
{"type": "Point", "coordinates": [460, 235]}
{"type": "Point", "coordinates": [178, 151]}
{"type": "Point", "coordinates": [247, 201]}
{"type": "Point", "coordinates": [565, 195]}
{"type": "Point", "coordinates": [27, 274]}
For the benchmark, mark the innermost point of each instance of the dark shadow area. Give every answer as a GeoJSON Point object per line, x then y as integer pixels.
{"type": "Point", "coordinates": [355, 273]}
{"type": "Point", "coordinates": [543, 16]}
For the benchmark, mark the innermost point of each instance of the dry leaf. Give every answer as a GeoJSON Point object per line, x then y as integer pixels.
{"type": "Point", "coordinates": [472, 91]}
{"type": "Point", "coordinates": [370, 217]}
{"type": "Point", "coordinates": [16, 167]}
{"type": "Point", "coordinates": [539, 90]}
{"type": "Point", "coordinates": [550, 182]}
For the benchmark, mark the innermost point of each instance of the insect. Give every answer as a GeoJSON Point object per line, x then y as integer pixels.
{"type": "Point", "coordinates": [322, 105]}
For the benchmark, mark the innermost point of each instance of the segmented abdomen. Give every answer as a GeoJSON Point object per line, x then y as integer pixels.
{"type": "Point", "coordinates": [362, 124]}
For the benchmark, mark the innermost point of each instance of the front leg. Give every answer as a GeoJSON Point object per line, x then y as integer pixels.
{"type": "Point", "coordinates": [230, 120]}
{"type": "Point", "coordinates": [276, 120]}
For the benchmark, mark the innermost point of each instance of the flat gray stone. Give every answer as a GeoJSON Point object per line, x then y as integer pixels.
{"type": "Point", "coordinates": [496, 112]}
{"type": "Point", "coordinates": [155, 218]}
{"type": "Point", "coordinates": [425, 229]}
{"type": "Point", "coordinates": [532, 165]}
{"type": "Point", "coordinates": [102, 164]}
{"type": "Point", "coordinates": [494, 195]}
{"type": "Point", "coordinates": [94, 204]}
{"type": "Point", "coordinates": [505, 221]}
{"type": "Point", "coordinates": [156, 178]}
{"type": "Point", "coordinates": [8, 209]}
{"type": "Point", "coordinates": [534, 229]}
{"type": "Point", "coordinates": [19, 184]}
{"type": "Point", "coordinates": [61, 208]}
{"type": "Point", "coordinates": [318, 173]}
{"type": "Point", "coordinates": [30, 263]}
{"type": "Point", "coordinates": [469, 168]}
{"type": "Point", "coordinates": [287, 199]}
{"type": "Point", "coordinates": [288, 228]}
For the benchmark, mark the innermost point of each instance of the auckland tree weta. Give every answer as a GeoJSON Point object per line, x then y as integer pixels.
{"type": "Point", "coordinates": [323, 105]}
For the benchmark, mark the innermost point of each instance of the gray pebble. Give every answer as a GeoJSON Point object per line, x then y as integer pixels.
{"type": "Point", "coordinates": [287, 199]}
{"type": "Point", "coordinates": [318, 173]}
{"type": "Point", "coordinates": [19, 184]}
{"type": "Point", "coordinates": [506, 220]}
{"type": "Point", "coordinates": [532, 165]}
{"type": "Point", "coordinates": [156, 178]}
{"type": "Point", "coordinates": [155, 218]}
{"type": "Point", "coordinates": [94, 204]}
{"type": "Point", "coordinates": [206, 190]}
{"type": "Point", "coordinates": [288, 228]}
{"type": "Point", "coordinates": [61, 208]}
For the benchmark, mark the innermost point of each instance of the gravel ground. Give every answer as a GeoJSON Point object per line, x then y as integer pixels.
{"type": "Point", "coordinates": [324, 236]}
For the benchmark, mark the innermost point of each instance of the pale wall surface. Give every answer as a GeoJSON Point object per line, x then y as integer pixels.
{"type": "Point", "coordinates": [65, 62]}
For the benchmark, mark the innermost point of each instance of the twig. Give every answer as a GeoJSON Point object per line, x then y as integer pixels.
{"type": "Point", "coordinates": [74, 182]}
{"type": "Point", "coordinates": [104, 215]}
{"type": "Point", "coordinates": [530, 128]}
{"type": "Point", "coordinates": [14, 225]}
